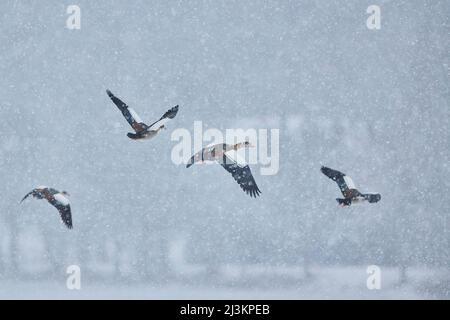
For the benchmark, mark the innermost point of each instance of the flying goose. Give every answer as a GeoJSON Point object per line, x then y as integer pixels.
{"type": "Point", "coordinates": [58, 199]}
{"type": "Point", "coordinates": [348, 189]}
{"type": "Point", "coordinates": [142, 130]}
{"type": "Point", "coordinates": [223, 153]}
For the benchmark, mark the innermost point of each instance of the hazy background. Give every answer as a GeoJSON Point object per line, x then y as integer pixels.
{"type": "Point", "coordinates": [374, 104]}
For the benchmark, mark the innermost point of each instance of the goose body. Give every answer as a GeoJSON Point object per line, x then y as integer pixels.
{"type": "Point", "coordinates": [57, 199]}
{"type": "Point", "coordinates": [348, 189]}
{"type": "Point", "coordinates": [226, 156]}
{"type": "Point", "coordinates": [142, 130]}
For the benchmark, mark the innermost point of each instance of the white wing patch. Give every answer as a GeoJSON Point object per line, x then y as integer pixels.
{"type": "Point", "coordinates": [61, 199]}
{"type": "Point", "coordinates": [135, 115]}
{"type": "Point", "coordinates": [233, 155]}
{"type": "Point", "coordinates": [349, 182]}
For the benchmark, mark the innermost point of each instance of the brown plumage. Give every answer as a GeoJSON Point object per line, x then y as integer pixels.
{"type": "Point", "coordinates": [142, 131]}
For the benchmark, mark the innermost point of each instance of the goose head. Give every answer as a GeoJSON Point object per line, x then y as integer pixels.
{"type": "Point", "coordinates": [65, 193]}
{"type": "Point", "coordinates": [245, 144]}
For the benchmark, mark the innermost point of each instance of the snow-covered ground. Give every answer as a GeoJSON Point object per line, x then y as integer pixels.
{"type": "Point", "coordinates": [327, 283]}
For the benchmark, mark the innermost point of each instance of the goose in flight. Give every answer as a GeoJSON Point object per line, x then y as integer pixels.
{"type": "Point", "coordinates": [348, 189]}
{"type": "Point", "coordinates": [57, 199]}
{"type": "Point", "coordinates": [142, 131]}
{"type": "Point", "coordinates": [226, 155]}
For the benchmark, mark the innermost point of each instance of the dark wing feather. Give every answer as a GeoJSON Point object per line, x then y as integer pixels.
{"type": "Point", "coordinates": [27, 195]}
{"type": "Point", "coordinates": [64, 212]}
{"type": "Point", "coordinates": [52, 191]}
{"type": "Point", "coordinates": [338, 177]}
{"type": "Point", "coordinates": [191, 160]}
{"type": "Point", "coordinates": [169, 114]}
{"type": "Point", "coordinates": [242, 175]}
{"type": "Point", "coordinates": [372, 198]}
{"type": "Point", "coordinates": [137, 126]}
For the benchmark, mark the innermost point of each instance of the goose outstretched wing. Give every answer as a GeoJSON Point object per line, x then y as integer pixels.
{"type": "Point", "coordinates": [167, 116]}
{"type": "Point", "coordinates": [242, 174]}
{"type": "Point", "coordinates": [344, 182]}
{"type": "Point", "coordinates": [129, 114]}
